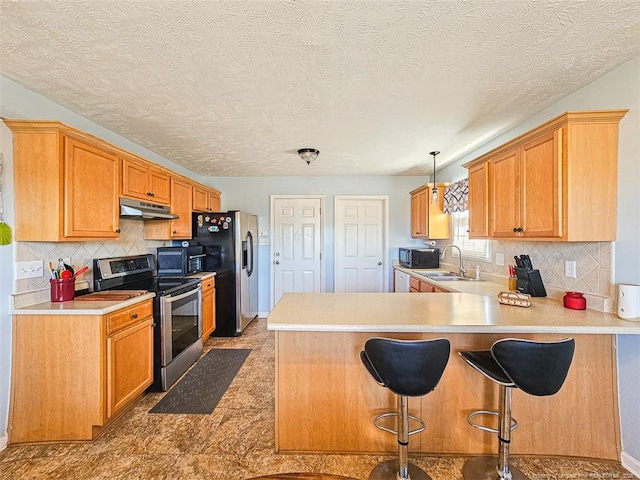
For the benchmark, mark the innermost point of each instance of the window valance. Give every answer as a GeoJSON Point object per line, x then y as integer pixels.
{"type": "Point", "coordinates": [456, 197]}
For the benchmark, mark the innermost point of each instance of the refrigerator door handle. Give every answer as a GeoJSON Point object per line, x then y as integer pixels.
{"type": "Point", "coordinates": [250, 254]}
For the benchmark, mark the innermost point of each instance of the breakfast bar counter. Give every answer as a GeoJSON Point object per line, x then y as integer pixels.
{"type": "Point", "coordinates": [326, 400]}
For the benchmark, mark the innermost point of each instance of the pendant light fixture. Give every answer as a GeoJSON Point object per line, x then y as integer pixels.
{"type": "Point", "coordinates": [434, 198]}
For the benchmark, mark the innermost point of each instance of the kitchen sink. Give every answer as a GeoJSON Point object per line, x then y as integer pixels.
{"type": "Point", "coordinates": [448, 277]}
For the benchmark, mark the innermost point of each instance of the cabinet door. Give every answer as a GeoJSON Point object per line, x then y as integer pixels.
{"type": "Point", "coordinates": [479, 201]}
{"type": "Point", "coordinates": [91, 187]}
{"type": "Point", "coordinates": [160, 186]}
{"type": "Point", "coordinates": [208, 310]}
{"type": "Point", "coordinates": [504, 187]}
{"type": "Point", "coordinates": [541, 194]}
{"type": "Point", "coordinates": [214, 202]}
{"type": "Point", "coordinates": [181, 205]}
{"type": "Point", "coordinates": [129, 364]}
{"type": "Point", "coordinates": [135, 180]}
{"type": "Point", "coordinates": [200, 199]}
{"type": "Point", "coordinates": [419, 214]}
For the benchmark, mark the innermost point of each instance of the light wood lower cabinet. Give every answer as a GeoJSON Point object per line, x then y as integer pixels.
{"type": "Point", "coordinates": [208, 307]}
{"type": "Point", "coordinates": [418, 286]}
{"type": "Point", "coordinates": [322, 384]}
{"type": "Point", "coordinates": [72, 375]}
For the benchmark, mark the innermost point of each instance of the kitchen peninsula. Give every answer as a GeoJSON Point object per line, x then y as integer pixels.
{"type": "Point", "coordinates": [326, 400]}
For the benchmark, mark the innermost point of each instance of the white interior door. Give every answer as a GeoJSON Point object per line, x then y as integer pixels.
{"type": "Point", "coordinates": [361, 244]}
{"type": "Point", "coordinates": [296, 249]}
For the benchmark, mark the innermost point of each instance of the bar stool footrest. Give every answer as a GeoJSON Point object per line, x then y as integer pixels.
{"type": "Point", "coordinates": [376, 422]}
{"type": "Point", "coordinates": [514, 422]}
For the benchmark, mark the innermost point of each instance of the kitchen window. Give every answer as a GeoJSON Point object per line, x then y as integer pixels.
{"type": "Point", "coordinates": [476, 249]}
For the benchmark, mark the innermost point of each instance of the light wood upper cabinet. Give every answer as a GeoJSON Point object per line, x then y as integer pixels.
{"type": "Point", "coordinates": [205, 199]}
{"type": "Point", "coordinates": [479, 201]}
{"type": "Point", "coordinates": [99, 366]}
{"type": "Point", "coordinates": [557, 182]}
{"type": "Point", "coordinates": [58, 173]}
{"type": "Point", "coordinates": [427, 220]}
{"type": "Point", "coordinates": [143, 181]}
{"type": "Point", "coordinates": [181, 205]}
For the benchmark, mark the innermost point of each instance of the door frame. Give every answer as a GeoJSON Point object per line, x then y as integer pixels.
{"type": "Point", "coordinates": [385, 235]}
{"type": "Point", "coordinates": [272, 229]}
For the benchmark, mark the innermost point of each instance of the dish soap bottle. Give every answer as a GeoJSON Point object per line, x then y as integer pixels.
{"type": "Point", "coordinates": [477, 272]}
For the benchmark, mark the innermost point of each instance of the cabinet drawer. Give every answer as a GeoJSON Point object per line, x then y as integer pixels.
{"type": "Point", "coordinates": [427, 287]}
{"type": "Point", "coordinates": [208, 284]}
{"type": "Point", "coordinates": [129, 316]}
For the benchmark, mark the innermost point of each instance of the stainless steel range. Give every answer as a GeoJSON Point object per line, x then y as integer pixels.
{"type": "Point", "coordinates": [177, 311]}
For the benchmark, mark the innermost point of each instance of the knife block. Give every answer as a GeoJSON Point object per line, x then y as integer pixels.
{"type": "Point", "coordinates": [530, 282]}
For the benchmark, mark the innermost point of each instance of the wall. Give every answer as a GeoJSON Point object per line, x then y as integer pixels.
{"type": "Point", "coordinates": [252, 195]}
{"type": "Point", "coordinates": [619, 89]}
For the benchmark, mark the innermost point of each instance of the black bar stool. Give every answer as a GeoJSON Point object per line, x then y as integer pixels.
{"type": "Point", "coordinates": [409, 368]}
{"type": "Point", "coordinates": [537, 368]}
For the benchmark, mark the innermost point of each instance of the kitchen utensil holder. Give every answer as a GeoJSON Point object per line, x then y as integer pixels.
{"type": "Point", "coordinates": [62, 289]}
{"type": "Point", "coordinates": [530, 282]}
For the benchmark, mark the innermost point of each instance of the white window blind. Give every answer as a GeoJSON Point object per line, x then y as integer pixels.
{"type": "Point", "coordinates": [477, 249]}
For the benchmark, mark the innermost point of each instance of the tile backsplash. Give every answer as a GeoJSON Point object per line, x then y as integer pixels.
{"type": "Point", "coordinates": [34, 290]}
{"type": "Point", "coordinates": [594, 268]}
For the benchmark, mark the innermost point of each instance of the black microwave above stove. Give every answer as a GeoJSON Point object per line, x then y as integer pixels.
{"type": "Point", "coordinates": [419, 257]}
{"type": "Point", "coordinates": [180, 261]}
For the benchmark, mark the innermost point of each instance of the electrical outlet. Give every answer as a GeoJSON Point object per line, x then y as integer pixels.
{"type": "Point", "coordinates": [500, 259]}
{"type": "Point", "coordinates": [570, 268]}
{"type": "Point", "coordinates": [33, 269]}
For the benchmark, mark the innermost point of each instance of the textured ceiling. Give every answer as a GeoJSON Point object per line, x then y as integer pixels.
{"type": "Point", "coordinates": [232, 88]}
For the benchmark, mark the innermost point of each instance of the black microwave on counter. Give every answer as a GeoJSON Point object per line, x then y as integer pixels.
{"type": "Point", "coordinates": [419, 257]}
{"type": "Point", "coordinates": [180, 261]}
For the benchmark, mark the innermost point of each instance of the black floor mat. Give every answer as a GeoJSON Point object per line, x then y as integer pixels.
{"type": "Point", "coordinates": [203, 386]}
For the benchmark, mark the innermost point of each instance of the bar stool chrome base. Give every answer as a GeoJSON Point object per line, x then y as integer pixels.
{"type": "Point", "coordinates": [389, 471]}
{"type": "Point", "coordinates": [486, 468]}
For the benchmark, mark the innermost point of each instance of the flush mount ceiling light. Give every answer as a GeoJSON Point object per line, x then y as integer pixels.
{"type": "Point", "coordinates": [434, 198]}
{"type": "Point", "coordinates": [308, 154]}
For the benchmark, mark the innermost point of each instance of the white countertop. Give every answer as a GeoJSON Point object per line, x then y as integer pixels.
{"type": "Point", "coordinates": [436, 312]}
{"type": "Point", "coordinates": [73, 307]}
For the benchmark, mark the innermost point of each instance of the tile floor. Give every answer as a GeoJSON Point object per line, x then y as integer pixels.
{"type": "Point", "coordinates": [235, 442]}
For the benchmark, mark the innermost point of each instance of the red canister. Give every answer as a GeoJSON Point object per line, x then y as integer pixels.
{"type": "Point", "coordinates": [575, 301]}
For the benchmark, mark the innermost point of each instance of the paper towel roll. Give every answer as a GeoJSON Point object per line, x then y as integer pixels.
{"type": "Point", "coordinates": [629, 301]}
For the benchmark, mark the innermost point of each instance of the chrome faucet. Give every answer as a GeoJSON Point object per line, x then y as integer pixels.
{"type": "Point", "coordinates": [462, 271]}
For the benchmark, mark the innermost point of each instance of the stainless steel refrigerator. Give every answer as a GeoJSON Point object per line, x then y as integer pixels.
{"type": "Point", "coordinates": [229, 241]}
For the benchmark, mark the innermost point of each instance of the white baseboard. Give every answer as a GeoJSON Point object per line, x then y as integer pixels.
{"type": "Point", "coordinates": [4, 440]}
{"type": "Point", "coordinates": [630, 463]}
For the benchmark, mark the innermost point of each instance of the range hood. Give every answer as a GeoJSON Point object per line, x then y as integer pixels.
{"type": "Point", "coordinates": [138, 210]}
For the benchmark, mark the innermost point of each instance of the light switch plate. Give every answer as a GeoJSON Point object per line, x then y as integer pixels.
{"type": "Point", "coordinates": [32, 269]}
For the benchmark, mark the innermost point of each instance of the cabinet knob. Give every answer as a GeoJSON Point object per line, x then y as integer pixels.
{"type": "Point", "coordinates": [135, 315]}
{"type": "Point", "coordinates": [174, 232]}
{"type": "Point", "coordinates": [379, 263]}
{"type": "Point", "coordinates": [277, 262]}
{"type": "Point", "coordinates": [148, 194]}
{"type": "Point", "coordinates": [517, 229]}
{"type": "Point", "coordinates": [118, 230]}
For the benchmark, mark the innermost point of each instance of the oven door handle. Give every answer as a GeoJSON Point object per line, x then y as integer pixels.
{"type": "Point", "coordinates": [171, 299]}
